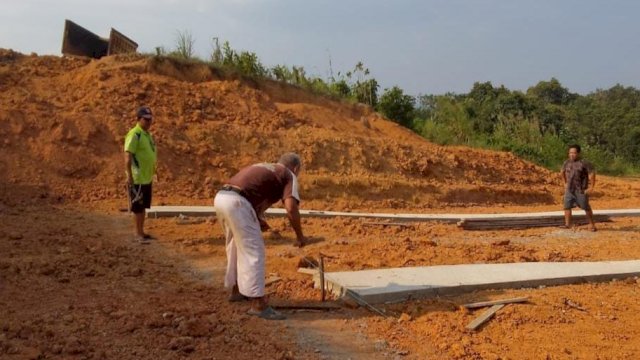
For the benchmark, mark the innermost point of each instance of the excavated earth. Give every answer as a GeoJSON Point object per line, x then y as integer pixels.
{"type": "Point", "coordinates": [74, 284]}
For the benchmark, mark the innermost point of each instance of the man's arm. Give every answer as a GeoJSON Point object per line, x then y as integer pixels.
{"type": "Point", "coordinates": [264, 226]}
{"type": "Point", "coordinates": [293, 213]}
{"type": "Point", "coordinates": [156, 178]}
{"type": "Point", "coordinates": [592, 181]}
{"type": "Point", "coordinates": [128, 160]}
{"type": "Point", "coordinates": [130, 146]}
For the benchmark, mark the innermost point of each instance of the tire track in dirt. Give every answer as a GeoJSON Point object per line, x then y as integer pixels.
{"type": "Point", "coordinates": [73, 284]}
{"type": "Point", "coordinates": [318, 333]}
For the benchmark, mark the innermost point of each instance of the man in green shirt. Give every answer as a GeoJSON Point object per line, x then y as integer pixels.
{"type": "Point", "coordinates": [140, 161]}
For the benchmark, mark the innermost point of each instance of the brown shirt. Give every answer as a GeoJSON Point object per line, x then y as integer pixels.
{"type": "Point", "coordinates": [577, 174]}
{"type": "Point", "coordinates": [265, 184]}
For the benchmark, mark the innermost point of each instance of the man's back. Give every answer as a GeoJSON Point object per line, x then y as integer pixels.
{"type": "Point", "coordinates": [265, 184]}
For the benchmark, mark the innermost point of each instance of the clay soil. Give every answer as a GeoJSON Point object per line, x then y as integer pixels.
{"type": "Point", "coordinates": [73, 284]}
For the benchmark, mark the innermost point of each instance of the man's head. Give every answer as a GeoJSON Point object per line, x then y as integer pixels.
{"type": "Point", "coordinates": [292, 162]}
{"type": "Point", "coordinates": [145, 117]}
{"type": "Point", "coordinates": [574, 152]}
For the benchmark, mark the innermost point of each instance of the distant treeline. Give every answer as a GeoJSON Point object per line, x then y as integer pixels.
{"type": "Point", "coordinates": [536, 125]}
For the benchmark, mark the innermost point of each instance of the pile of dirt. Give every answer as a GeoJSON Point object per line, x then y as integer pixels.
{"type": "Point", "coordinates": [63, 120]}
{"type": "Point", "coordinates": [75, 285]}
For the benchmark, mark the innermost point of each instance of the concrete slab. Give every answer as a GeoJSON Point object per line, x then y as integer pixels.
{"type": "Point", "coordinates": [173, 211]}
{"type": "Point", "coordinates": [400, 284]}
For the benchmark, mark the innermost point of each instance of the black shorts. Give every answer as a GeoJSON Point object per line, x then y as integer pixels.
{"type": "Point", "coordinates": [571, 199]}
{"type": "Point", "coordinates": [139, 198]}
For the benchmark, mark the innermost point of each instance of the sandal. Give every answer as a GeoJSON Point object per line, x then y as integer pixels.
{"type": "Point", "coordinates": [142, 240]}
{"type": "Point", "coordinates": [237, 298]}
{"type": "Point", "coordinates": [149, 237]}
{"type": "Point", "coordinates": [268, 314]}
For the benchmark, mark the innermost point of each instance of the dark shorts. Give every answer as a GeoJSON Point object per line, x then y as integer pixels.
{"type": "Point", "coordinates": [139, 198]}
{"type": "Point", "coordinates": [573, 199]}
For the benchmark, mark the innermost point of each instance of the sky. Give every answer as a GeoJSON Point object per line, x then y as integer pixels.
{"type": "Point", "coordinates": [422, 46]}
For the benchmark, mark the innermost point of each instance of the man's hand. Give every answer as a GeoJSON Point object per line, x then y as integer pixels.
{"type": "Point", "coordinates": [291, 205]}
{"type": "Point", "coordinates": [263, 225]}
{"type": "Point", "coordinates": [127, 164]}
{"type": "Point", "coordinates": [275, 235]}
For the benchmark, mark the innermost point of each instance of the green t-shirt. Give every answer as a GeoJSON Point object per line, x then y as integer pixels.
{"type": "Point", "coordinates": [140, 144]}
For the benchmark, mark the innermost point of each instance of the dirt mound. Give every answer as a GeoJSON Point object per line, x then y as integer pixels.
{"type": "Point", "coordinates": [63, 119]}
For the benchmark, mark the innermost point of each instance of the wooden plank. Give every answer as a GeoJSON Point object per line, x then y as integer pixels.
{"type": "Point", "coordinates": [484, 317]}
{"type": "Point", "coordinates": [495, 302]}
{"type": "Point", "coordinates": [387, 224]}
{"type": "Point", "coordinates": [308, 306]}
{"type": "Point", "coordinates": [307, 271]}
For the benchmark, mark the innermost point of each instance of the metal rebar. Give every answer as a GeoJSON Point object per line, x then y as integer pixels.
{"type": "Point", "coordinates": [322, 277]}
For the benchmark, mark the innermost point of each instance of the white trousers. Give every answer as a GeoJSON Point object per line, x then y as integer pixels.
{"type": "Point", "coordinates": [244, 243]}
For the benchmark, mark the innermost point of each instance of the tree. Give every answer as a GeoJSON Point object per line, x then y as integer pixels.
{"type": "Point", "coordinates": [551, 92]}
{"type": "Point", "coordinates": [216, 52]}
{"type": "Point", "coordinates": [184, 44]}
{"type": "Point", "coordinates": [482, 92]}
{"type": "Point", "coordinates": [281, 73]}
{"type": "Point", "coordinates": [397, 106]}
{"type": "Point", "coordinates": [248, 64]}
{"type": "Point", "coordinates": [366, 92]}
{"type": "Point", "coordinates": [228, 54]}
{"type": "Point", "coordinates": [341, 88]}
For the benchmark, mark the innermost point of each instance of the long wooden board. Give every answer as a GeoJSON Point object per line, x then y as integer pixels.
{"type": "Point", "coordinates": [495, 302]}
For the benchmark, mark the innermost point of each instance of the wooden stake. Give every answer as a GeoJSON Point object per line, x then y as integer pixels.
{"type": "Point", "coordinates": [322, 277]}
